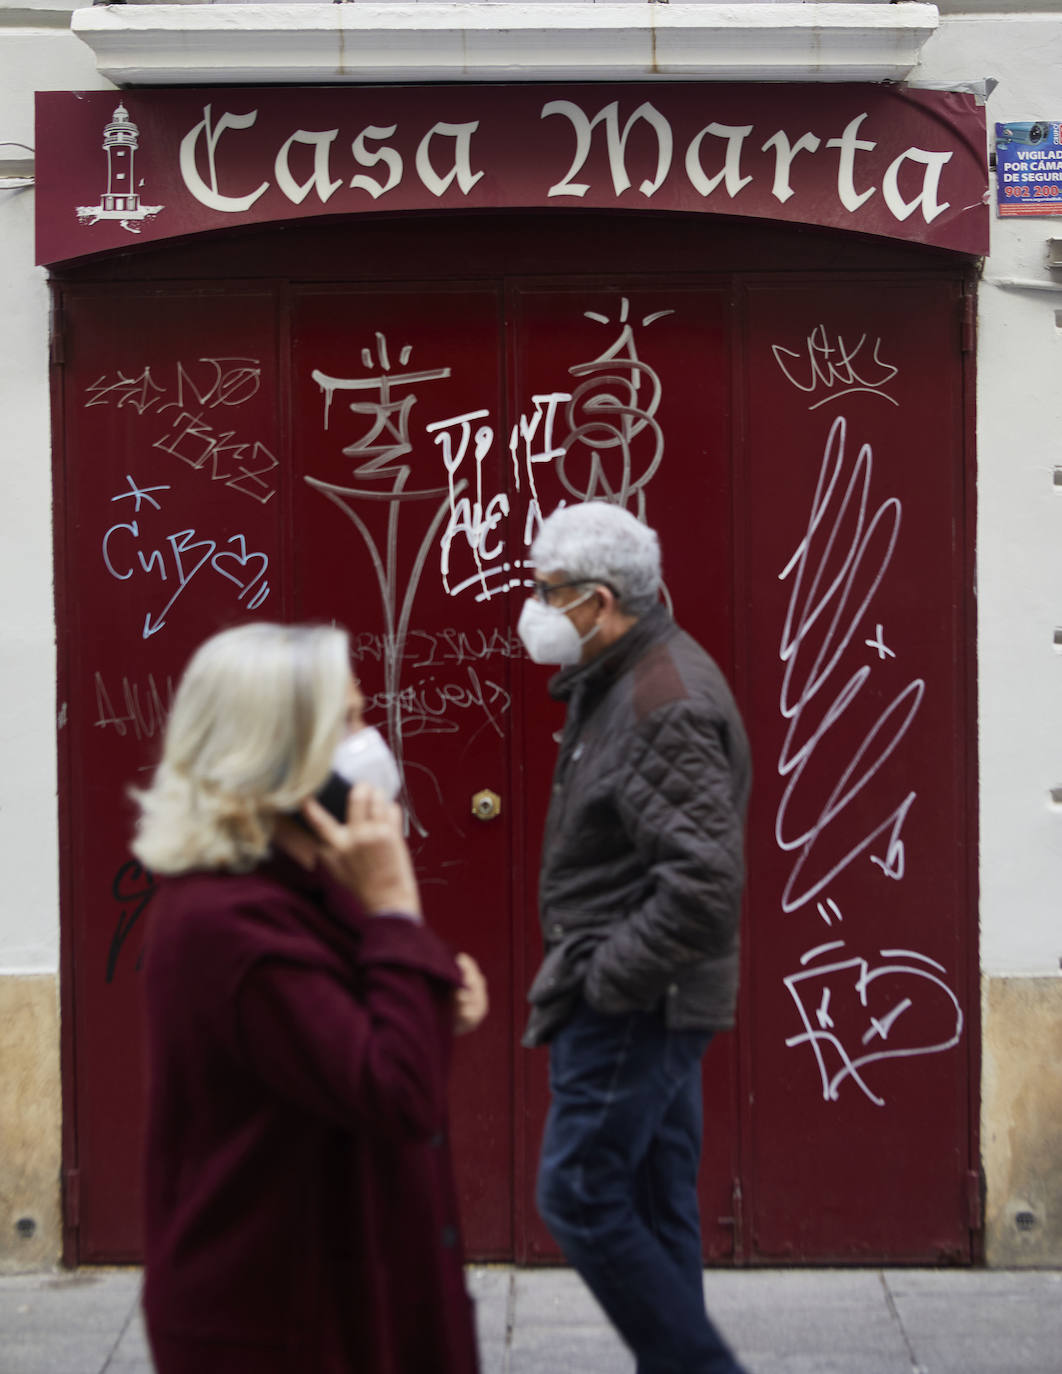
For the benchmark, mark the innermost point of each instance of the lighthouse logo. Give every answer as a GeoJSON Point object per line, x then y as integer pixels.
{"type": "Point", "coordinates": [121, 199]}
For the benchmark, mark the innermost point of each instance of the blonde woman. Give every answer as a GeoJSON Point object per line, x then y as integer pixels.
{"type": "Point", "coordinates": [300, 1206]}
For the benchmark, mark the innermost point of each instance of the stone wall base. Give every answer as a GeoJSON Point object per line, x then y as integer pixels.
{"type": "Point", "coordinates": [30, 1122]}
{"type": "Point", "coordinates": [1021, 1121]}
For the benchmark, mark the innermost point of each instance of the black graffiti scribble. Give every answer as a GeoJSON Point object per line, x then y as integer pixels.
{"type": "Point", "coordinates": [133, 887]}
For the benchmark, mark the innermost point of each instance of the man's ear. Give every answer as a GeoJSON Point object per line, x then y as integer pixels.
{"type": "Point", "coordinates": [607, 597]}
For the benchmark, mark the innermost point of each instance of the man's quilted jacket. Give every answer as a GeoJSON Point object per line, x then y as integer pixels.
{"type": "Point", "coordinates": [643, 853]}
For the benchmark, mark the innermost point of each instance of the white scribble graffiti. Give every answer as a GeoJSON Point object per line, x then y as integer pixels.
{"type": "Point", "coordinates": [244, 465]}
{"type": "Point", "coordinates": [608, 414]}
{"type": "Point", "coordinates": [147, 706]}
{"type": "Point", "coordinates": [602, 439]}
{"type": "Point", "coordinates": [382, 474]}
{"type": "Point", "coordinates": [826, 364]}
{"type": "Point", "coordinates": [609, 417]}
{"type": "Point", "coordinates": [834, 574]}
{"type": "Point", "coordinates": [531, 443]}
{"type": "Point", "coordinates": [223, 381]}
{"type": "Point", "coordinates": [443, 647]}
{"type": "Point", "coordinates": [856, 1014]}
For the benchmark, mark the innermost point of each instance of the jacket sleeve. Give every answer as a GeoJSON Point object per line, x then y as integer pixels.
{"type": "Point", "coordinates": [675, 799]}
{"type": "Point", "coordinates": [380, 1060]}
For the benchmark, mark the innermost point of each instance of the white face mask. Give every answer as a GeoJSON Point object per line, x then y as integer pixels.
{"type": "Point", "coordinates": [548, 635]}
{"type": "Point", "coordinates": [365, 757]}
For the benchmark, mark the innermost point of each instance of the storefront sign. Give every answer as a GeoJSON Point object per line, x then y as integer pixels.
{"type": "Point", "coordinates": [159, 164]}
{"type": "Point", "coordinates": [1029, 168]}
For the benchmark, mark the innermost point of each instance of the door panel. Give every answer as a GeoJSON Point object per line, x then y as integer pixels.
{"type": "Point", "coordinates": [392, 511]}
{"type": "Point", "coordinates": [853, 563]}
{"type": "Point", "coordinates": [172, 494]}
{"type": "Point", "coordinates": [638, 378]}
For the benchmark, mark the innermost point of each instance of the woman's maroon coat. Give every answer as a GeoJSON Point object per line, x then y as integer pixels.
{"type": "Point", "coordinates": [301, 1216]}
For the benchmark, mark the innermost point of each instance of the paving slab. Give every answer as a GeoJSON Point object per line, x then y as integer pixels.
{"type": "Point", "coordinates": [88, 1299]}
{"type": "Point", "coordinates": [980, 1322]}
{"type": "Point", "coordinates": [779, 1323]}
{"type": "Point", "coordinates": [491, 1289]}
{"type": "Point", "coordinates": [60, 1353]}
{"type": "Point", "coordinates": [551, 1298]}
{"type": "Point", "coordinates": [65, 1323]}
{"type": "Point", "coordinates": [131, 1354]}
{"type": "Point", "coordinates": [557, 1350]}
{"type": "Point", "coordinates": [558, 1326]}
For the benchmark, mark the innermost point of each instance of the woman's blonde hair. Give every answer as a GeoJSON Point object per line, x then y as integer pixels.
{"type": "Point", "coordinates": [257, 715]}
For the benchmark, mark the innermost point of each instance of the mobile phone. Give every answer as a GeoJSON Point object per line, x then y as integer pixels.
{"type": "Point", "coordinates": [333, 796]}
{"type": "Point", "coordinates": [360, 757]}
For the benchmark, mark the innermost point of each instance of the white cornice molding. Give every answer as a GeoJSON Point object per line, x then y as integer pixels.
{"type": "Point", "coordinates": [194, 44]}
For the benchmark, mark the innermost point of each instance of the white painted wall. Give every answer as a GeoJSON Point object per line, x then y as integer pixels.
{"type": "Point", "coordinates": [1019, 547]}
{"type": "Point", "coordinates": [30, 59]}
{"type": "Point", "coordinates": [1019, 562]}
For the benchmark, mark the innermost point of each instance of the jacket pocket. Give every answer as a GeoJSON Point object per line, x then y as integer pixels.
{"type": "Point", "coordinates": [564, 967]}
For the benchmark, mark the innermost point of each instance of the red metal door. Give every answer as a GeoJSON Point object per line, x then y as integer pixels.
{"type": "Point", "coordinates": [853, 567]}
{"type": "Point", "coordinates": [378, 454]}
{"type": "Point", "coordinates": [422, 486]}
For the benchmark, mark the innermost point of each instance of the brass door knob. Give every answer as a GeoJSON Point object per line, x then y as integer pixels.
{"type": "Point", "coordinates": [486, 805]}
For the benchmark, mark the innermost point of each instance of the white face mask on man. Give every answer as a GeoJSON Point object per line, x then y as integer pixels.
{"type": "Point", "coordinates": [548, 635]}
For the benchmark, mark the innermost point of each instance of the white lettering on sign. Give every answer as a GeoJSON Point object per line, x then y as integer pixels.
{"type": "Point", "coordinates": [716, 159]}
{"type": "Point", "coordinates": [365, 157]}
{"type": "Point", "coordinates": [735, 136]}
{"type": "Point", "coordinates": [927, 196]}
{"type": "Point", "coordinates": [208, 194]}
{"type": "Point", "coordinates": [617, 145]}
{"type": "Point", "coordinates": [785, 152]}
{"type": "Point", "coordinates": [730, 175]}
{"type": "Point", "coordinates": [320, 181]}
{"type": "Point", "coordinates": [204, 137]}
{"type": "Point", "coordinates": [461, 169]}
{"type": "Point", "coordinates": [849, 145]}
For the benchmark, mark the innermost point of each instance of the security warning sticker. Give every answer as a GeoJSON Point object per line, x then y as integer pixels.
{"type": "Point", "coordinates": [1029, 168]}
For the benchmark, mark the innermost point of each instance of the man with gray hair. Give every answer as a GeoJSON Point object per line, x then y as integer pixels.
{"type": "Point", "coordinates": [640, 897]}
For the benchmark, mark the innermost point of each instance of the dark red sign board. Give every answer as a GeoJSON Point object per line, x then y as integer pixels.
{"type": "Point", "coordinates": [117, 167]}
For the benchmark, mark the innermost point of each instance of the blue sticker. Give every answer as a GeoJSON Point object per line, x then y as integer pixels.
{"type": "Point", "coordinates": [1029, 168]}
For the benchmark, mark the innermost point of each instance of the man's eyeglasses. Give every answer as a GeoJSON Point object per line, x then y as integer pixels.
{"type": "Point", "coordinates": [544, 590]}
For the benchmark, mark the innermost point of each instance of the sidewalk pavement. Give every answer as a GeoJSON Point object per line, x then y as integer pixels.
{"type": "Point", "coordinates": [541, 1321]}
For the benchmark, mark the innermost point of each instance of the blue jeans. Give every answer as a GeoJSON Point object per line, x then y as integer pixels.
{"type": "Point", "coordinates": [617, 1182]}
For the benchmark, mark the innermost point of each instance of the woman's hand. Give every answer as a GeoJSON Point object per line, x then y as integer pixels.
{"type": "Point", "coordinates": [470, 999]}
{"type": "Point", "coordinates": [368, 853]}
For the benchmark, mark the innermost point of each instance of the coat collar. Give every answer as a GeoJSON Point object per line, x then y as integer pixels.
{"type": "Point", "coordinates": [614, 661]}
{"type": "Point", "coordinates": [284, 869]}
{"type": "Point", "coordinates": [323, 892]}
